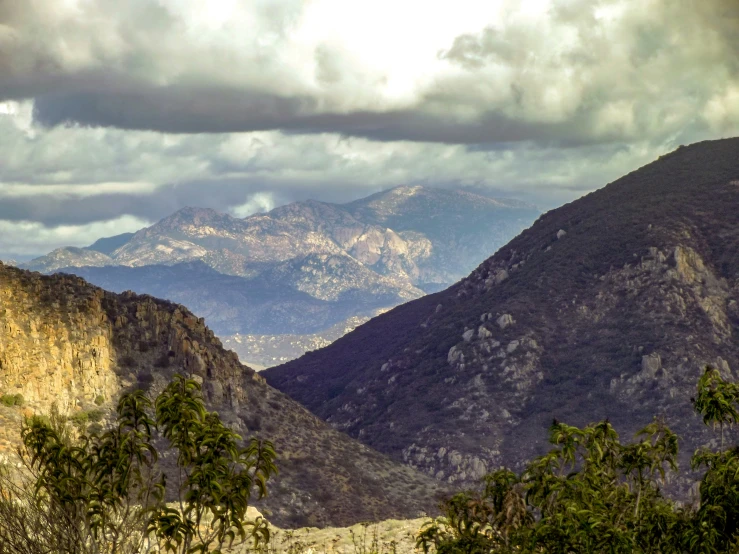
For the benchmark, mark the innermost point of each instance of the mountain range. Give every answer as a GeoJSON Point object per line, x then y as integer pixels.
{"type": "Point", "coordinates": [304, 269]}
{"type": "Point", "coordinates": [67, 343]}
{"type": "Point", "coordinates": [608, 307]}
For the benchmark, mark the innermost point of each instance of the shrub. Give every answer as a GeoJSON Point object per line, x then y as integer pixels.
{"type": "Point", "coordinates": [79, 418]}
{"type": "Point", "coordinates": [144, 381]}
{"type": "Point", "coordinates": [95, 416]}
{"type": "Point", "coordinates": [105, 492]}
{"type": "Point", "coordinates": [99, 400]}
{"type": "Point", "coordinates": [11, 400]}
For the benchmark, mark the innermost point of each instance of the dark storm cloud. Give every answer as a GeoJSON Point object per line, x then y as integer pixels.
{"type": "Point", "coordinates": [179, 111]}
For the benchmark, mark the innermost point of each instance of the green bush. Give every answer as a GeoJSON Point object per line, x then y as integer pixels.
{"type": "Point", "coordinates": [69, 500]}
{"type": "Point", "coordinates": [593, 493]}
{"type": "Point", "coordinates": [11, 400]}
{"type": "Point", "coordinates": [86, 416]}
{"type": "Point", "coordinates": [95, 416]}
{"type": "Point", "coordinates": [99, 400]}
{"type": "Point", "coordinates": [79, 418]}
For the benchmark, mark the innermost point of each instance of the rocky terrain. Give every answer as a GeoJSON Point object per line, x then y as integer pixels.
{"type": "Point", "coordinates": [304, 268]}
{"type": "Point", "coordinates": [385, 537]}
{"type": "Point", "coordinates": [64, 342]}
{"type": "Point", "coordinates": [608, 307]}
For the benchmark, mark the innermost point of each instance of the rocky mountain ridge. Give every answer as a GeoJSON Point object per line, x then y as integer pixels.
{"type": "Point", "coordinates": [302, 268]}
{"type": "Point", "coordinates": [397, 234]}
{"type": "Point", "coordinates": [609, 306]}
{"type": "Point", "coordinates": [66, 342]}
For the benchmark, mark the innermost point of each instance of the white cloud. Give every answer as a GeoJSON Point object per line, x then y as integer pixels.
{"type": "Point", "coordinates": [28, 237]}
{"type": "Point", "coordinates": [496, 70]}
{"type": "Point", "coordinates": [260, 202]}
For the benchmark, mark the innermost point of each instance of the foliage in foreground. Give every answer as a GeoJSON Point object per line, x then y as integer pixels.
{"type": "Point", "coordinates": [591, 493]}
{"type": "Point", "coordinates": [106, 492]}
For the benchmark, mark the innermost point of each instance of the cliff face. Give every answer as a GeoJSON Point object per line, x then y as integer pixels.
{"type": "Point", "coordinates": [65, 342]}
{"type": "Point", "coordinates": [607, 307]}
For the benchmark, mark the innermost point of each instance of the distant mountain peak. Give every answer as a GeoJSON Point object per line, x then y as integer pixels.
{"type": "Point", "coordinates": [66, 257]}
{"type": "Point", "coordinates": [315, 263]}
{"type": "Point", "coordinates": [197, 216]}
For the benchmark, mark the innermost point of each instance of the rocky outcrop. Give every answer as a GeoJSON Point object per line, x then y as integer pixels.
{"type": "Point", "coordinates": [64, 342]}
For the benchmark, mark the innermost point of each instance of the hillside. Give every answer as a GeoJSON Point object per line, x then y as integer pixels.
{"type": "Point", "coordinates": [609, 306]}
{"type": "Point", "coordinates": [65, 342]}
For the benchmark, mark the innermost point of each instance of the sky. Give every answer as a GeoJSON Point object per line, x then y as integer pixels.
{"type": "Point", "coordinates": [116, 113]}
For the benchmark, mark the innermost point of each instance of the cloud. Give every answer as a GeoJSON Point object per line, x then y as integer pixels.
{"type": "Point", "coordinates": [115, 113]}
{"type": "Point", "coordinates": [564, 71]}
{"type": "Point", "coordinates": [78, 175]}
{"type": "Point", "coordinates": [28, 238]}
{"type": "Point", "coordinates": [259, 202]}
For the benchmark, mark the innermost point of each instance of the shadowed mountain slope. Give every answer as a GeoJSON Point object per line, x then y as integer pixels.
{"type": "Point", "coordinates": [606, 307]}
{"type": "Point", "coordinates": [65, 342]}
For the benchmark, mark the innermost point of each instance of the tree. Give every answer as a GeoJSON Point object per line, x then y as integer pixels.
{"type": "Point", "coordinates": [716, 400]}
{"type": "Point", "coordinates": [590, 493]}
{"type": "Point", "coordinates": [106, 493]}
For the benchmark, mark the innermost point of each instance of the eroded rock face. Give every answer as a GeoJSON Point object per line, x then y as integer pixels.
{"type": "Point", "coordinates": [65, 342]}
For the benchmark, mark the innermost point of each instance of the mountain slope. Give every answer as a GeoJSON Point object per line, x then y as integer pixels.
{"type": "Point", "coordinates": [456, 224]}
{"type": "Point", "coordinates": [232, 304]}
{"type": "Point", "coordinates": [108, 245]}
{"type": "Point", "coordinates": [607, 307]}
{"type": "Point", "coordinates": [65, 342]}
{"type": "Point", "coordinates": [68, 257]}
